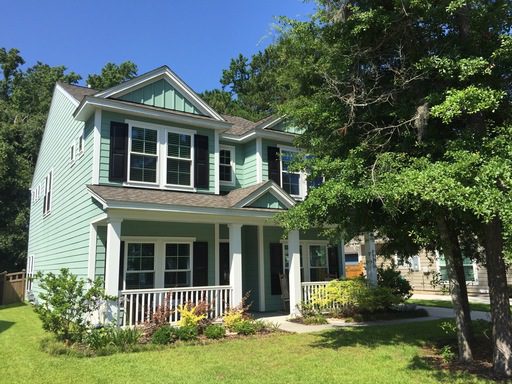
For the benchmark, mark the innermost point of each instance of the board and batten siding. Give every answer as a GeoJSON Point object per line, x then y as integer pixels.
{"type": "Point", "coordinates": [160, 94]}
{"type": "Point", "coordinates": [61, 239]}
{"type": "Point", "coordinates": [107, 117]}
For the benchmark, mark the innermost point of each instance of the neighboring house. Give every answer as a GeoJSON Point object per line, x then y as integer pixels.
{"type": "Point", "coordinates": [147, 187]}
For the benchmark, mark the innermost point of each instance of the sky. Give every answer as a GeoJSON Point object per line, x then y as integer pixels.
{"type": "Point", "coordinates": [195, 38]}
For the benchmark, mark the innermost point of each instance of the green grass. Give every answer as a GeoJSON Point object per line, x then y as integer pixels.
{"type": "Point", "coordinates": [380, 354]}
{"type": "Point", "coordinates": [448, 304]}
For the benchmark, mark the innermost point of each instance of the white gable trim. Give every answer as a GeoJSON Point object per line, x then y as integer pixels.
{"type": "Point", "coordinates": [67, 94]}
{"type": "Point", "coordinates": [167, 74]}
{"type": "Point", "coordinates": [268, 187]}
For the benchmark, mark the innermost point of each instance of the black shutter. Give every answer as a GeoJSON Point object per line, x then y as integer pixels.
{"type": "Point", "coordinates": [202, 165]}
{"type": "Point", "coordinates": [118, 151]}
{"type": "Point", "coordinates": [276, 267]}
{"type": "Point", "coordinates": [333, 261]}
{"type": "Point", "coordinates": [274, 172]}
{"type": "Point", "coordinates": [121, 265]}
{"type": "Point", "coordinates": [200, 271]}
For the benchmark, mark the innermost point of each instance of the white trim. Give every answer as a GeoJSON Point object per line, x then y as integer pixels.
{"type": "Point", "coordinates": [261, 269]}
{"type": "Point", "coordinates": [259, 160]}
{"type": "Point", "coordinates": [216, 162]}
{"type": "Point", "coordinates": [232, 157]}
{"type": "Point", "coordinates": [165, 239]}
{"type": "Point", "coordinates": [67, 95]}
{"type": "Point", "coordinates": [48, 204]}
{"type": "Point", "coordinates": [91, 263]}
{"type": "Point", "coordinates": [216, 253]}
{"type": "Point", "coordinates": [270, 187]}
{"type": "Point", "coordinates": [96, 151]}
{"type": "Point", "coordinates": [271, 123]}
{"type": "Point", "coordinates": [167, 74]}
{"type": "Point", "coordinates": [90, 103]}
{"type": "Point", "coordinates": [275, 135]}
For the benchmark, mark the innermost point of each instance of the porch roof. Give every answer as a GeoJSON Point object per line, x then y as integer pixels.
{"type": "Point", "coordinates": [234, 199]}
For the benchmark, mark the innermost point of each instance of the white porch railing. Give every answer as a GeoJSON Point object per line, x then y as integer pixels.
{"type": "Point", "coordinates": [138, 306]}
{"type": "Point", "coordinates": [314, 291]}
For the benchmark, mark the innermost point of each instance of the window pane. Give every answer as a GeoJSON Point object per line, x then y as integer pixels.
{"type": "Point", "coordinates": [318, 274]}
{"type": "Point", "coordinates": [144, 140]}
{"type": "Point", "coordinates": [143, 168]}
{"type": "Point", "coordinates": [469, 272]}
{"type": "Point", "coordinates": [178, 171]}
{"type": "Point", "coordinates": [141, 280]}
{"type": "Point", "coordinates": [134, 249]}
{"type": "Point", "coordinates": [171, 249]}
{"type": "Point", "coordinates": [444, 273]}
{"type": "Point", "coordinates": [183, 249]}
{"type": "Point", "coordinates": [225, 157]}
{"type": "Point", "coordinates": [225, 173]}
{"type": "Point", "coordinates": [148, 249]}
{"type": "Point", "coordinates": [291, 183]}
{"type": "Point", "coordinates": [147, 263]}
{"type": "Point", "coordinates": [351, 258]}
{"type": "Point", "coordinates": [184, 262]}
{"type": "Point", "coordinates": [177, 279]}
{"type": "Point", "coordinates": [317, 256]}
{"type": "Point", "coordinates": [179, 145]}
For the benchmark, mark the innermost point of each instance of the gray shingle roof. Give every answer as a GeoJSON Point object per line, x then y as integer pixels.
{"type": "Point", "coordinates": [152, 196]}
{"type": "Point", "coordinates": [242, 126]}
{"type": "Point", "coordinates": [77, 91]}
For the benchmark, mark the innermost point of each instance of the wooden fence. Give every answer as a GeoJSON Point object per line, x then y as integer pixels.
{"type": "Point", "coordinates": [12, 287]}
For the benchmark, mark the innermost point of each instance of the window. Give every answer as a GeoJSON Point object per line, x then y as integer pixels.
{"type": "Point", "coordinates": [469, 269]}
{"type": "Point", "coordinates": [227, 165]}
{"type": "Point", "coordinates": [286, 262]}
{"type": "Point", "coordinates": [143, 155]}
{"type": "Point", "coordinates": [81, 144]}
{"type": "Point", "coordinates": [351, 258]}
{"type": "Point", "coordinates": [178, 265]}
{"type": "Point", "coordinates": [179, 159]}
{"type": "Point", "coordinates": [47, 203]}
{"type": "Point", "coordinates": [412, 262]}
{"type": "Point", "coordinates": [291, 181]}
{"type": "Point", "coordinates": [72, 153]}
{"type": "Point", "coordinates": [318, 267]}
{"type": "Point", "coordinates": [140, 265]}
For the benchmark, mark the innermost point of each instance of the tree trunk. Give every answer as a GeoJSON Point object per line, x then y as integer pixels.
{"type": "Point", "coordinates": [458, 291]}
{"type": "Point", "coordinates": [500, 304]}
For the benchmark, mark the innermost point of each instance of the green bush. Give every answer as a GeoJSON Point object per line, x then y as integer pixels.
{"type": "Point", "coordinates": [245, 327]}
{"type": "Point", "coordinates": [103, 337]}
{"type": "Point", "coordinates": [187, 333]}
{"type": "Point", "coordinates": [353, 296]}
{"type": "Point", "coordinates": [164, 335]}
{"type": "Point", "coordinates": [65, 304]}
{"type": "Point", "coordinates": [215, 331]}
{"type": "Point", "coordinates": [391, 278]}
{"type": "Point", "coordinates": [315, 319]}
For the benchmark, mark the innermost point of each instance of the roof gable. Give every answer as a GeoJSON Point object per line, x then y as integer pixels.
{"type": "Point", "coordinates": [267, 200]}
{"type": "Point", "coordinates": [161, 88]}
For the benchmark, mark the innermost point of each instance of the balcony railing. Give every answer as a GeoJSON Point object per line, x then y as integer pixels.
{"type": "Point", "coordinates": [140, 305]}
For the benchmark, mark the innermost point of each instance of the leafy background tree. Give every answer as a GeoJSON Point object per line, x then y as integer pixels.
{"type": "Point", "coordinates": [25, 97]}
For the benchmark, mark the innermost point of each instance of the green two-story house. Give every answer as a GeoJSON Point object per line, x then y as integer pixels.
{"type": "Point", "coordinates": [147, 187]}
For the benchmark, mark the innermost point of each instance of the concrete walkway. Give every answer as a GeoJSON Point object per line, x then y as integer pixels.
{"type": "Point", "coordinates": [472, 299]}
{"type": "Point", "coordinates": [434, 313]}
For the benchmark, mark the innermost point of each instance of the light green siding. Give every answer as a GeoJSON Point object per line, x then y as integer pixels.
{"type": "Point", "coordinates": [250, 265]}
{"type": "Point", "coordinates": [249, 177]}
{"type": "Point", "coordinates": [268, 200]}
{"type": "Point", "coordinates": [201, 232]}
{"type": "Point", "coordinates": [161, 94]}
{"type": "Point", "coordinates": [61, 239]}
{"type": "Point", "coordinates": [107, 117]}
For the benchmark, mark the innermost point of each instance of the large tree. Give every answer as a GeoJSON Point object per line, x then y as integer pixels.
{"type": "Point", "coordinates": [397, 97]}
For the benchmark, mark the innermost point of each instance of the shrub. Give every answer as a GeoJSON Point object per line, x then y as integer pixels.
{"type": "Point", "coordinates": [98, 338]}
{"type": "Point", "coordinates": [215, 331]}
{"type": "Point", "coordinates": [232, 317]}
{"type": "Point", "coordinates": [245, 327]}
{"type": "Point", "coordinates": [447, 353]}
{"type": "Point", "coordinates": [66, 305]}
{"type": "Point", "coordinates": [187, 332]}
{"type": "Point", "coordinates": [192, 315]}
{"type": "Point", "coordinates": [164, 335]}
{"type": "Point", "coordinates": [392, 278]}
{"type": "Point", "coordinates": [315, 319]}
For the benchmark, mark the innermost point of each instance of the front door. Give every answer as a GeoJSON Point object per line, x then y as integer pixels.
{"type": "Point", "coordinates": [224, 263]}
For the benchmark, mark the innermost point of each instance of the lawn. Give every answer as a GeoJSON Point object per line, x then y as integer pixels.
{"type": "Point", "coordinates": [383, 354]}
{"type": "Point", "coordinates": [448, 304]}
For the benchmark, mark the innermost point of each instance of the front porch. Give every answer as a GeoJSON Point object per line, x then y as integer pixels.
{"type": "Point", "coordinates": [153, 265]}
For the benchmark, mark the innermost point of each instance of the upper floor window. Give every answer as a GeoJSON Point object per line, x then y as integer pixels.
{"type": "Point", "coordinates": [72, 153]}
{"type": "Point", "coordinates": [291, 181]}
{"type": "Point", "coordinates": [179, 159]}
{"type": "Point", "coordinates": [80, 144]}
{"type": "Point", "coordinates": [227, 165]}
{"type": "Point", "coordinates": [47, 203]}
{"type": "Point", "coordinates": [143, 154]}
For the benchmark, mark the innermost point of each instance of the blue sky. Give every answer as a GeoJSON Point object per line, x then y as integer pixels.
{"type": "Point", "coordinates": [196, 38]}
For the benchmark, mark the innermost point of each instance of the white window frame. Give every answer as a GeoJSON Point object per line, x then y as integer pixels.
{"type": "Point", "coordinates": [80, 145]}
{"type": "Point", "coordinates": [446, 282]}
{"type": "Point", "coordinates": [191, 256]}
{"type": "Point", "coordinates": [126, 272]}
{"type": "Point", "coordinates": [49, 182]}
{"type": "Point", "coordinates": [161, 155]}
{"type": "Point", "coordinates": [304, 244]}
{"type": "Point", "coordinates": [408, 263]}
{"type": "Point", "coordinates": [302, 175]}
{"type": "Point", "coordinates": [232, 154]}
{"type": "Point", "coordinates": [72, 153]}
{"type": "Point", "coordinates": [159, 264]}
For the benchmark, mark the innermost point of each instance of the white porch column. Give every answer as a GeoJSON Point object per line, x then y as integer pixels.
{"type": "Point", "coordinates": [112, 257]}
{"type": "Point", "coordinates": [235, 262]}
{"type": "Point", "coordinates": [294, 276]}
{"type": "Point", "coordinates": [371, 259]}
